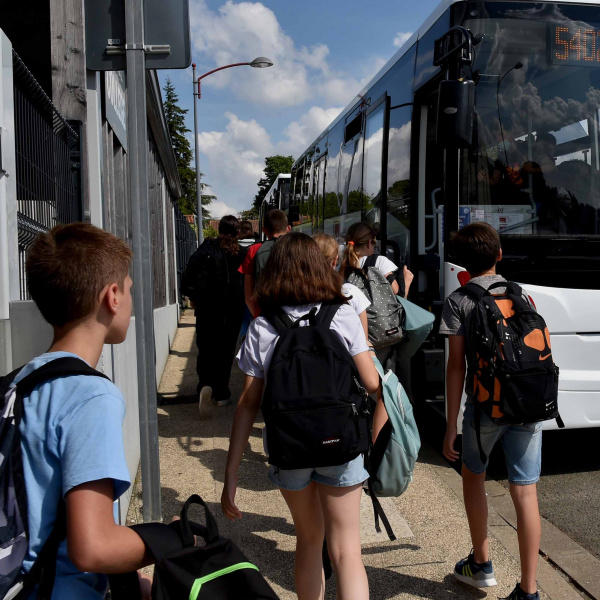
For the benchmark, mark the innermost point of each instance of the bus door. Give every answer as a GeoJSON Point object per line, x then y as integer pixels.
{"type": "Point", "coordinates": [428, 373]}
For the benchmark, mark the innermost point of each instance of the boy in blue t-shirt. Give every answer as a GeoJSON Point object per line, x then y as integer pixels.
{"type": "Point", "coordinates": [477, 247]}
{"type": "Point", "coordinates": [71, 428]}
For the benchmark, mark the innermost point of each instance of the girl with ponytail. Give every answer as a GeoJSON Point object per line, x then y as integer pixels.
{"type": "Point", "coordinates": [360, 244]}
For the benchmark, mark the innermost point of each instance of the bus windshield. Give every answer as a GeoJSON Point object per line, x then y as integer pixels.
{"type": "Point", "coordinates": [533, 171]}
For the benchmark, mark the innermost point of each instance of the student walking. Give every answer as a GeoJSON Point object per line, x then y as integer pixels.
{"type": "Point", "coordinates": [275, 225]}
{"type": "Point", "coordinates": [215, 286]}
{"type": "Point", "coordinates": [477, 248]}
{"type": "Point", "coordinates": [71, 427]}
{"type": "Point", "coordinates": [297, 285]}
{"type": "Point", "coordinates": [359, 255]}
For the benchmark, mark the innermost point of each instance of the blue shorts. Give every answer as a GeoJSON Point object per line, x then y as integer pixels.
{"type": "Point", "coordinates": [522, 445]}
{"type": "Point", "coordinates": [346, 475]}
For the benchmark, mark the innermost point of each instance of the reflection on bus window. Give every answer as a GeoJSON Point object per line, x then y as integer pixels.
{"type": "Point", "coordinates": [398, 177]}
{"type": "Point", "coordinates": [535, 165]}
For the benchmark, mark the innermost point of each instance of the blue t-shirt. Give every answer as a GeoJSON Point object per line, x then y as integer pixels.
{"type": "Point", "coordinates": [71, 433]}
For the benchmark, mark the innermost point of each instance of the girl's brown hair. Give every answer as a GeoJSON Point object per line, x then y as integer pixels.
{"type": "Point", "coordinates": [327, 245]}
{"type": "Point", "coordinates": [229, 229]}
{"type": "Point", "coordinates": [358, 235]}
{"type": "Point", "coordinates": [297, 273]}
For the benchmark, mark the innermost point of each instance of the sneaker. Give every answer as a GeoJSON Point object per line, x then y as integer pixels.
{"type": "Point", "coordinates": [519, 594]}
{"type": "Point", "coordinates": [475, 574]}
{"type": "Point", "coordinates": [224, 402]}
{"type": "Point", "coordinates": [205, 396]}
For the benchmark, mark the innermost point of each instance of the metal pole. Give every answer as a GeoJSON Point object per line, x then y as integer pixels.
{"type": "Point", "coordinates": [197, 153]}
{"type": "Point", "coordinates": [142, 258]}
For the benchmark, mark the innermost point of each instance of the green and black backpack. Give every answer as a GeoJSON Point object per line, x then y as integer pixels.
{"type": "Point", "coordinates": [217, 570]}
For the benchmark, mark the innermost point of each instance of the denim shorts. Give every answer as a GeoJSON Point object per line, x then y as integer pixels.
{"type": "Point", "coordinates": [522, 445]}
{"type": "Point", "coordinates": [346, 475]}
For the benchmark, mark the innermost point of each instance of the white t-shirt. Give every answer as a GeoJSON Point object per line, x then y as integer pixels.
{"type": "Point", "coordinates": [359, 302]}
{"type": "Point", "coordinates": [383, 264]}
{"type": "Point", "coordinates": [255, 355]}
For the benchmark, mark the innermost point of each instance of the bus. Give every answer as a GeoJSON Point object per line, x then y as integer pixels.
{"type": "Point", "coordinates": [274, 197]}
{"type": "Point", "coordinates": [489, 112]}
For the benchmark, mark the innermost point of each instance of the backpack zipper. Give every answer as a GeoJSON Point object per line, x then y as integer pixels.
{"type": "Point", "coordinates": [195, 591]}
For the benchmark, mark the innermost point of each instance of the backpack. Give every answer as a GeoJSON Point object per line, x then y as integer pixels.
{"type": "Point", "coordinates": [14, 539]}
{"type": "Point", "coordinates": [217, 570]}
{"type": "Point", "coordinates": [385, 315]}
{"type": "Point", "coordinates": [393, 456]}
{"type": "Point", "coordinates": [510, 369]}
{"type": "Point", "coordinates": [315, 409]}
{"type": "Point", "coordinates": [261, 257]}
{"type": "Point", "coordinates": [207, 276]}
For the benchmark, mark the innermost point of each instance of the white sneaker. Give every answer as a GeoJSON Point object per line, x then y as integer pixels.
{"type": "Point", "coordinates": [205, 396]}
{"type": "Point", "coordinates": [225, 402]}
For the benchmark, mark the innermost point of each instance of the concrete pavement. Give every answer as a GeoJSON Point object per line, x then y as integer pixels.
{"type": "Point", "coordinates": [429, 518]}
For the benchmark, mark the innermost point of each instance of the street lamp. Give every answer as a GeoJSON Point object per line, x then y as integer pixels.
{"type": "Point", "coordinates": [259, 62]}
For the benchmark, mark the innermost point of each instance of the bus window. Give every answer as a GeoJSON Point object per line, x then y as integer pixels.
{"type": "Point", "coordinates": [398, 181]}
{"type": "Point", "coordinates": [534, 169]}
{"type": "Point", "coordinates": [306, 202]}
{"type": "Point", "coordinates": [318, 207]}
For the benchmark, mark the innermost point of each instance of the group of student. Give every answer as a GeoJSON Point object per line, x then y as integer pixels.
{"type": "Point", "coordinates": [71, 434]}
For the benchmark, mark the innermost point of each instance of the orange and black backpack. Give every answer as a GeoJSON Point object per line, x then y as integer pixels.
{"type": "Point", "coordinates": [509, 361]}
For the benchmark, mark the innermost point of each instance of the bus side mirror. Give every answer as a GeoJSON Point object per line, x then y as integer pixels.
{"type": "Point", "coordinates": [456, 114]}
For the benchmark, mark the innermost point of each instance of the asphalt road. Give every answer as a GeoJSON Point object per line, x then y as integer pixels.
{"type": "Point", "coordinates": [569, 489]}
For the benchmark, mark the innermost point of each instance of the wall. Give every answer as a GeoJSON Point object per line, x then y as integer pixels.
{"type": "Point", "coordinates": [165, 326]}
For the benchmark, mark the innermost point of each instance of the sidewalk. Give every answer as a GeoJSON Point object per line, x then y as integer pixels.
{"type": "Point", "coordinates": [428, 519]}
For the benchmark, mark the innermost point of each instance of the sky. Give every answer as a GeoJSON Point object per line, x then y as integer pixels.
{"type": "Point", "coordinates": [324, 52]}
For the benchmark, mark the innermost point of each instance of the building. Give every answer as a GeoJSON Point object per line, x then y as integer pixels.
{"type": "Point", "coordinates": [64, 158]}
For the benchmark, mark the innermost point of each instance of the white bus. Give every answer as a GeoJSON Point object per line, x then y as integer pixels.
{"type": "Point", "coordinates": [274, 197]}
{"type": "Point", "coordinates": [490, 112]}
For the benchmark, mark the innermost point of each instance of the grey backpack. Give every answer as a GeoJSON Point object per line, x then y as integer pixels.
{"type": "Point", "coordinates": [261, 257]}
{"type": "Point", "coordinates": [385, 315]}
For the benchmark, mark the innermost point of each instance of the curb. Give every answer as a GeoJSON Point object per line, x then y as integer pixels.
{"type": "Point", "coordinates": [563, 563]}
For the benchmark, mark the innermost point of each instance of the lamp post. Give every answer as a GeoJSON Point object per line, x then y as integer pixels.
{"type": "Point", "coordinates": [258, 63]}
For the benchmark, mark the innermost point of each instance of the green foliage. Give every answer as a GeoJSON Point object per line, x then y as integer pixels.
{"type": "Point", "coordinates": [210, 232]}
{"type": "Point", "coordinates": [182, 149]}
{"type": "Point", "coordinates": [249, 214]}
{"type": "Point", "coordinates": [274, 165]}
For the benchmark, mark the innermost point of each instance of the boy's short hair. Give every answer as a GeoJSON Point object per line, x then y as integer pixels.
{"type": "Point", "coordinates": [476, 247]}
{"type": "Point", "coordinates": [275, 222]}
{"type": "Point", "coordinates": [68, 267]}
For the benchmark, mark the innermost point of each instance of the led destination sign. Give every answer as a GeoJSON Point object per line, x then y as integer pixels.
{"type": "Point", "coordinates": [574, 45]}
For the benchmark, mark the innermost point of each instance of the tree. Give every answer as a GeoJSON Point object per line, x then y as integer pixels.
{"type": "Point", "coordinates": [249, 214]}
{"type": "Point", "coordinates": [274, 165]}
{"type": "Point", "coordinates": [182, 149]}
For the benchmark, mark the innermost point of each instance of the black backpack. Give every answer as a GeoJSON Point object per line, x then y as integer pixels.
{"type": "Point", "coordinates": [14, 533]}
{"type": "Point", "coordinates": [207, 277]}
{"type": "Point", "coordinates": [314, 407]}
{"type": "Point", "coordinates": [218, 570]}
{"type": "Point", "coordinates": [510, 369]}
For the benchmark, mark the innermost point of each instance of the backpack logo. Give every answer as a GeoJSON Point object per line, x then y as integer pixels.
{"type": "Point", "coordinates": [331, 441]}
{"type": "Point", "coordinates": [392, 331]}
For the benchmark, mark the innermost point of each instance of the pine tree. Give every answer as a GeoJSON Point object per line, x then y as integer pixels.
{"type": "Point", "coordinates": [182, 149]}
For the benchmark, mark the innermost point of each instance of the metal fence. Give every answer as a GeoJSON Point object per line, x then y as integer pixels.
{"type": "Point", "coordinates": [186, 242]}
{"type": "Point", "coordinates": [48, 167]}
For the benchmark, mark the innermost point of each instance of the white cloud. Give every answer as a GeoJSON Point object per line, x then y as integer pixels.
{"type": "Point", "coordinates": [239, 32]}
{"type": "Point", "coordinates": [220, 209]}
{"type": "Point", "coordinates": [302, 132]}
{"type": "Point", "coordinates": [401, 38]}
{"type": "Point", "coordinates": [234, 159]}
